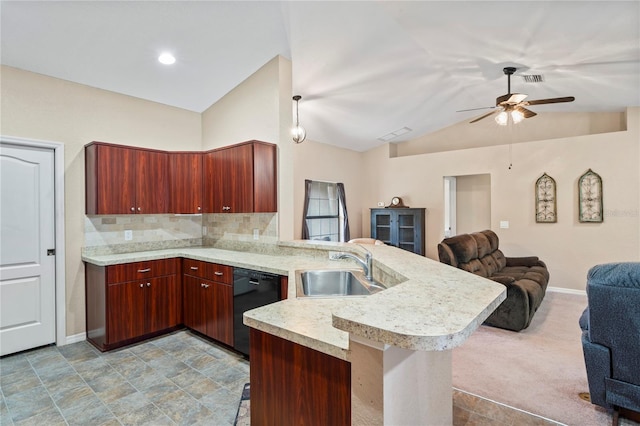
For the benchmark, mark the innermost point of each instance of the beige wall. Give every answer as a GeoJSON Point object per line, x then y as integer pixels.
{"type": "Point", "coordinates": [317, 161]}
{"type": "Point", "coordinates": [259, 108]}
{"type": "Point", "coordinates": [473, 201]}
{"type": "Point", "coordinates": [39, 107]}
{"type": "Point", "coordinates": [568, 247]}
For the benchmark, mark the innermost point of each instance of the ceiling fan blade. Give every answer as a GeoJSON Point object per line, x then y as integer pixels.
{"type": "Point", "coordinates": [484, 116]}
{"type": "Point", "coordinates": [551, 100]}
{"type": "Point", "coordinates": [516, 98]}
{"type": "Point", "coordinates": [475, 109]}
{"type": "Point", "coordinates": [526, 112]}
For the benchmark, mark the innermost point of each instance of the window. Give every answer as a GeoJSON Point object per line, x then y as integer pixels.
{"type": "Point", "coordinates": [325, 212]}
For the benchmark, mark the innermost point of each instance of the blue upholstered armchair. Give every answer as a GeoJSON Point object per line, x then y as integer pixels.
{"type": "Point", "coordinates": [611, 336]}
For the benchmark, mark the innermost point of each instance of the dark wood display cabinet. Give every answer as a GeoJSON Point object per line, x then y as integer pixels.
{"type": "Point", "coordinates": [241, 178]}
{"type": "Point", "coordinates": [131, 302]}
{"type": "Point", "coordinates": [208, 299]}
{"type": "Point", "coordinates": [400, 227]}
{"type": "Point", "coordinates": [125, 180]}
{"type": "Point", "coordinates": [185, 185]}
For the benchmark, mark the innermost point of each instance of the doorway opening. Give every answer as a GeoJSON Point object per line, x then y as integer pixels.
{"type": "Point", "coordinates": [467, 204]}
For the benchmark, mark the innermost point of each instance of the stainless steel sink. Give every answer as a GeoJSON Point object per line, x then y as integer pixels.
{"type": "Point", "coordinates": [334, 283]}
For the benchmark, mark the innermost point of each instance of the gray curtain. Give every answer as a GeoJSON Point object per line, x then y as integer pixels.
{"type": "Point", "coordinates": [307, 192]}
{"type": "Point", "coordinates": [343, 202]}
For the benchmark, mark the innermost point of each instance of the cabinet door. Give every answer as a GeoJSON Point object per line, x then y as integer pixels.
{"type": "Point", "coordinates": [223, 309]}
{"type": "Point", "coordinates": [163, 303]}
{"type": "Point", "coordinates": [152, 182]}
{"type": "Point", "coordinates": [193, 303]}
{"type": "Point", "coordinates": [125, 311]}
{"type": "Point", "coordinates": [232, 179]}
{"type": "Point", "coordinates": [185, 184]}
{"type": "Point", "coordinates": [110, 179]}
{"type": "Point", "coordinates": [382, 226]}
{"type": "Point", "coordinates": [217, 184]}
{"type": "Point", "coordinates": [265, 197]}
{"type": "Point", "coordinates": [406, 229]}
{"type": "Point", "coordinates": [240, 176]}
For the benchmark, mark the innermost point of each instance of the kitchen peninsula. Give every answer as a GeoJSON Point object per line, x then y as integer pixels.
{"type": "Point", "coordinates": [388, 354]}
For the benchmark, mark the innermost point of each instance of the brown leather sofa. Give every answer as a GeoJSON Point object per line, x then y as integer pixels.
{"type": "Point", "coordinates": [526, 278]}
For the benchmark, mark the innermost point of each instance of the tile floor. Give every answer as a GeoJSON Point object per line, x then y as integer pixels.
{"type": "Point", "coordinates": [177, 379]}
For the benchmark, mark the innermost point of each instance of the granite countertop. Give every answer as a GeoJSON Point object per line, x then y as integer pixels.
{"type": "Point", "coordinates": [428, 305]}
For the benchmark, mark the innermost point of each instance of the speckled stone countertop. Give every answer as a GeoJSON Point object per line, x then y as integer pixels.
{"type": "Point", "coordinates": [428, 305]}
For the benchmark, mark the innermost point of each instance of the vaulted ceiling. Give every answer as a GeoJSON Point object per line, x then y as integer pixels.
{"type": "Point", "coordinates": [364, 68]}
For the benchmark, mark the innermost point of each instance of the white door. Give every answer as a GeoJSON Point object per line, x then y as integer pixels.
{"type": "Point", "coordinates": [27, 232]}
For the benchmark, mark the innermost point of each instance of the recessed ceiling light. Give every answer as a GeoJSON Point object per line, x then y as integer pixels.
{"type": "Point", "coordinates": [167, 59]}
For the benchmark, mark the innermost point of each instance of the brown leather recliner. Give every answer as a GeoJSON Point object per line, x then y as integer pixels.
{"type": "Point", "coordinates": [526, 278]}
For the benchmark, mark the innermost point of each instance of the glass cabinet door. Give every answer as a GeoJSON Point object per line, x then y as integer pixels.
{"type": "Point", "coordinates": [399, 227]}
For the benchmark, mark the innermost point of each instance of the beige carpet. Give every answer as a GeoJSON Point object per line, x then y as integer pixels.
{"type": "Point", "coordinates": [540, 369]}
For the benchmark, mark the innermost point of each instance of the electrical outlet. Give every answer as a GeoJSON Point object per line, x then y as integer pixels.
{"type": "Point", "coordinates": [380, 203]}
{"type": "Point", "coordinates": [256, 234]}
{"type": "Point", "coordinates": [504, 224]}
{"type": "Point", "coordinates": [128, 235]}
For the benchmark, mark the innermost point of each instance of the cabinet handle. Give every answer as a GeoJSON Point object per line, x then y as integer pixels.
{"type": "Point", "coordinates": [133, 209]}
{"type": "Point", "coordinates": [254, 282]}
{"type": "Point", "coordinates": [203, 285]}
{"type": "Point", "coordinates": [141, 285]}
{"type": "Point", "coordinates": [144, 270]}
{"type": "Point", "coordinates": [218, 273]}
{"type": "Point", "coordinates": [148, 284]}
{"type": "Point", "coordinates": [139, 209]}
{"type": "Point", "coordinates": [194, 268]}
{"type": "Point", "coordinates": [199, 208]}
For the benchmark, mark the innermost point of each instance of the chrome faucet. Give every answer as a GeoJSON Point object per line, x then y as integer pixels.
{"type": "Point", "coordinates": [367, 263]}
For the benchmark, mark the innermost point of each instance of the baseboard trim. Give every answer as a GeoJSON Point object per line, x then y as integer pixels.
{"type": "Point", "coordinates": [80, 337]}
{"type": "Point", "coordinates": [567, 291]}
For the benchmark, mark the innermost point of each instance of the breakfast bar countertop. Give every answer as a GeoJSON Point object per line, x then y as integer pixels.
{"type": "Point", "coordinates": [428, 305]}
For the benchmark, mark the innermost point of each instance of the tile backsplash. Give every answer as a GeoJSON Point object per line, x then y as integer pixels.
{"type": "Point", "coordinates": [222, 229]}
{"type": "Point", "coordinates": [106, 234]}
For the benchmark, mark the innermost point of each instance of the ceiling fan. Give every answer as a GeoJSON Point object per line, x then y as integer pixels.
{"type": "Point", "coordinates": [513, 104]}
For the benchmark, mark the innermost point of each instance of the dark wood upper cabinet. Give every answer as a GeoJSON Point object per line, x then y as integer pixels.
{"type": "Point", "coordinates": [185, 184]}
{"type": "Point", "coordinates": [241, 179]}
{"type": "Point", "coordinates": [125, 180]}
{"type": "Point", "coordinates": [109, 179]}
{"type": "Point", "coordinates": [152, 182]}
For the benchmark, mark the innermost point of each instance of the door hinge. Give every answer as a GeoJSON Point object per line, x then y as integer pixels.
{"type": "Point", "coordinates": [51, 252]}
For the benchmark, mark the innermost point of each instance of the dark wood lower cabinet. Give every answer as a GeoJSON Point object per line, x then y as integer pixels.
{"type": "Point", "coordinates": [295, 385]}
{"type": "Point", "coordinates": [132, 302]}
{"type": "Point", "coordinates": [208, 299]}
{"type": "Point", "coordinates": [208, 308]}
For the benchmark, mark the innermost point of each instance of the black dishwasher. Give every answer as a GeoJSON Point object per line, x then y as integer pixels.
{"type": "Point", "coordinates": [251, 289]}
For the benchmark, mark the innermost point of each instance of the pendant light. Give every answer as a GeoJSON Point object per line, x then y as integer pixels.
{"type": "Point", "coordinates": [298, 133]}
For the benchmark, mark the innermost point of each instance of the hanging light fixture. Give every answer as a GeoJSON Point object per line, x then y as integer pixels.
{"type": "Point", "coordinates": [298, 133]}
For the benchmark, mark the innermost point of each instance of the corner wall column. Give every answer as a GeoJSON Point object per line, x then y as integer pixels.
{"type": "Point", "coordinates": [394, 386]}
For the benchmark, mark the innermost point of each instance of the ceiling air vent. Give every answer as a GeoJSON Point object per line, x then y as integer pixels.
{"type": "Point", "coordinates": [533, 78]}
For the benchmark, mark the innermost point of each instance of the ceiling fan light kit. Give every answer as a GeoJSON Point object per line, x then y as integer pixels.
{"type": "Point", "coordinates": [511, 107]}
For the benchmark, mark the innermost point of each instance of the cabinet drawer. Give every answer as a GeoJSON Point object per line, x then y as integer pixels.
{"type": "Point", "coordinates": [210, 271]}
{"type": "Point", "coordinates": [141, 270]}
